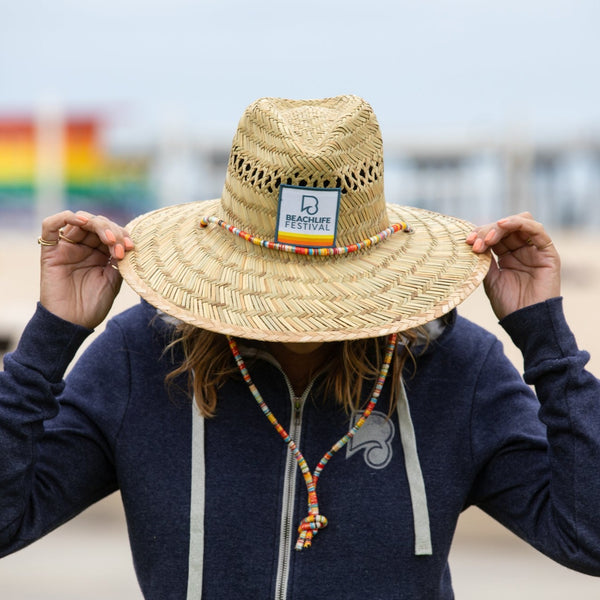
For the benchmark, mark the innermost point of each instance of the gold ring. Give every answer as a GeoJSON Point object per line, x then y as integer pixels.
{"type": "Point", "coordinates": [529, 242]}
{"type": "Point", "coordinates": [43, 242]}
{"type": "Point", "coordinates": [550, 243]}
{"type": "Point", "coordinates": [62, 236]}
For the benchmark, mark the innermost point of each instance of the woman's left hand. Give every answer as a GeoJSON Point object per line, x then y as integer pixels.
{"type": "Point", "coordinates": [527, 269]}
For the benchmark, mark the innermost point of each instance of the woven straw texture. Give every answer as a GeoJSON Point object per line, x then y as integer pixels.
{"type": "Point", "coordinates": [330, 143]}
{"type": "Point", "coordinates": [213, 279]}
{"type": "Point", "coordinates": [217, 281]}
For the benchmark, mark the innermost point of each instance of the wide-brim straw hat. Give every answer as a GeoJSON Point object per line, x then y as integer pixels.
{"type": "Point", "coordinates": [262, 262]}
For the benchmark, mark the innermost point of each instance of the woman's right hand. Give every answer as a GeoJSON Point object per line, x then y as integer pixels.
{"type": "Point", "coordinates": [79, 278]}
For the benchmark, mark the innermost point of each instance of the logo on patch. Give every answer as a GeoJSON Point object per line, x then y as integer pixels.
{"type": "Point", "coordinates": [307, 216]}
{"type": "Point", "coordinates": [310, 204]}
{"type": "Point", "coordinates": [374, 438]}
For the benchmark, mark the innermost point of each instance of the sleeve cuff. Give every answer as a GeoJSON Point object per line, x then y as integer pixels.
{"type": "Point", "coordinates": [541, 332]}
{"type": "Point", "coordinates": [49, 344]}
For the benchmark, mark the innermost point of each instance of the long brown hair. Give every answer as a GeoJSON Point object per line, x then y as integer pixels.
{"type": "Point", "coordinates": [208, 363]}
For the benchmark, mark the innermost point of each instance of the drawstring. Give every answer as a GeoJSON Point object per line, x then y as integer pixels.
{"type": "Point", "coordinates": [314, 521]}
{"type": "Point", "coordinates": [416, 484]}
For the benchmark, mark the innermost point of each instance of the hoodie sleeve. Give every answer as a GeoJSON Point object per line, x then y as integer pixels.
{"type": "Point", "coordinates": [538, 459]}
{"type": "Point", "coordinates": [54, 460]}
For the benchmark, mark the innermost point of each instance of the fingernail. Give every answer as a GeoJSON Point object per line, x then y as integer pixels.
{"type": "Point", "coordinates": [110, 236]}
{"type": "Point", "coordinates": [502, 221]}
{"type": "Point", "coordinates": [478, 246]}
{"type": "Point", "coordinates": [471, 237]}
{"type": "Point", "coordinates": [489, 237]}
{"type": "Point", "coordinates": [128, 244]}
{"type": "Point", "coordinates": [83, 220]}
{"type": "Point", "coordinates": [119, 251]}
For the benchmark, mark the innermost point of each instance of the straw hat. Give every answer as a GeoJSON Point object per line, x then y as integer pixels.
{"type": "Point", "coordinates": [302, 246]}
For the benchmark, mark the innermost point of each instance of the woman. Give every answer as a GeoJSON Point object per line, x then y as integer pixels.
{"type": "Point", "coordinates": [295, 410]}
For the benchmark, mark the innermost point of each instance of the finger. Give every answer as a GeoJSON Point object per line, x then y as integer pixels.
{"type": "Point", "coordinates": [478, 236]}
{"type": "Point", "coordinates": [510, 234]}
{"type": "Point", "coordinates": [103, 233]}
{"type": "Point", "coordinates": [477, 239]}
{"type": "Point", "coordinates": [116, 237]}
{"type": "Point", "coordinates": [527, 231]}
{"type": "Point", "coordinates": [480, 240]}
{"type": "Point", "coordinates": [52, 225]}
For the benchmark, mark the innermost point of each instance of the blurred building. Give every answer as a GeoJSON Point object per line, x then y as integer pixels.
{"type": "Point", "coordinates": [483, 179]}
{"type": "Point", "coordinates": [49, 162]}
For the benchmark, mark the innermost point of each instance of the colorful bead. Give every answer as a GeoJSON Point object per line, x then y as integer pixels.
{"type": "Point", "coordinates": [315, 521]}
{"type": "Point", "coordinates": [311, 251]}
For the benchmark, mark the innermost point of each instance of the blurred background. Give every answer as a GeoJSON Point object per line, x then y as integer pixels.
{"type": "Point", "coordinates": [121, 107]}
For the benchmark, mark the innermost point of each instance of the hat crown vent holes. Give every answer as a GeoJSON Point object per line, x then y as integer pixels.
{"type": "Point", "coordinates": [258, 178]}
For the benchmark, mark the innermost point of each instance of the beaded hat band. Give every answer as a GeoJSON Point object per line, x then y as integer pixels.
{"type": "Point", "coordinates": [307, 250]}
{"type": "Point", "coordinates": [363, 275]}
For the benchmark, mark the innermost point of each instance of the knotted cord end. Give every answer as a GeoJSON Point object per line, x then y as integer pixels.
{"type": "Point", "coordinates": [311, 524]}
{"type": "Point", "coordinates": [308, 529]}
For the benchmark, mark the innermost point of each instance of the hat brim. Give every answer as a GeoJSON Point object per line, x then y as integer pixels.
{"type": "Point", "coordinates": [217, 281]}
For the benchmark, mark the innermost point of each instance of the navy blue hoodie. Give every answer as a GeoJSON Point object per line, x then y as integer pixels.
{"type": "Point", "coordinates": [212, 505]}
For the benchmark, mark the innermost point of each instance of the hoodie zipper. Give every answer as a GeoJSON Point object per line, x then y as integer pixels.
{"type": "Point", "coordinates": [287, 526]}
{"type": "Point", "coordinates": [287, 529]}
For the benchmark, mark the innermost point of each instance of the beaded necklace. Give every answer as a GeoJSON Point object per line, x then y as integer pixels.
{"type": "Point", "coordinates": [314, 521]}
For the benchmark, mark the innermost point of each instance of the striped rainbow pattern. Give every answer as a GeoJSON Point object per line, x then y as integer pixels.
{"type": "Point", "coordinates": [299, 239]}
{"type": "Point", "coordinates": [81, 160]}
{"type": "Point", "coordinates": [89, 178]}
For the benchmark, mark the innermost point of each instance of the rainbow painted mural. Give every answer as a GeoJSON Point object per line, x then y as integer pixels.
{"type": "Point", "coordinates": [88, 177]}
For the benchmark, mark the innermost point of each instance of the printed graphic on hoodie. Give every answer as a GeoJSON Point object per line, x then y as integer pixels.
{"type": "Point", "coordinates": [374, 438]}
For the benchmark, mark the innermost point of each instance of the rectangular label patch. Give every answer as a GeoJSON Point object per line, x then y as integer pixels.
{"type": "Point", "coordinates": [307, 216]}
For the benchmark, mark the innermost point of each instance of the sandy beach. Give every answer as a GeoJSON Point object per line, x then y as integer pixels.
{"type": "Point", "coordinates": [89, 559]}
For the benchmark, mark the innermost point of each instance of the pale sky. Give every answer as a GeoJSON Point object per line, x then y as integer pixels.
{"type": "Point", "coordinates": [426, 66]}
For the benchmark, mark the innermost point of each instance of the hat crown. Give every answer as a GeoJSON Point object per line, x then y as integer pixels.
{"type": "Point", "coordinates": [326, 143]}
